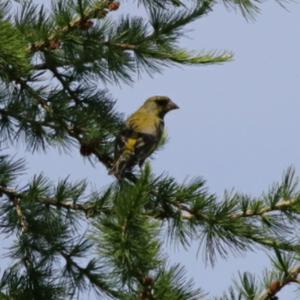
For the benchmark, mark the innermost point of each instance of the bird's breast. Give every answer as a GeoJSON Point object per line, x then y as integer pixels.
{"type": "Point", "coordinates": [147, 124]}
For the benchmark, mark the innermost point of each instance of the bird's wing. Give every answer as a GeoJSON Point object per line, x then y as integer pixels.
{"type": "Point", "coordinates": [138, 139]}
{"type": "Point", "coordinates": [132, 148]}
{"type": "Point", "coordinates": [126, 139]}
{"type": "Point", "coordinates": [136, 145]}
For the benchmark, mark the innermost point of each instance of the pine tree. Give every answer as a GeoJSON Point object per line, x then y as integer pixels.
{"type": "Point", "coordinates": [52, 64]}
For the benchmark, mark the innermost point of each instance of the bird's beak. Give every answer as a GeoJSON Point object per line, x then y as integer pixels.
{"type": "Point", "coordinates": [172, 105]}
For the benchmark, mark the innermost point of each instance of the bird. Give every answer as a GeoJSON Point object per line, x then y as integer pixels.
{"type": "Point", "coordinates": [140, 135]}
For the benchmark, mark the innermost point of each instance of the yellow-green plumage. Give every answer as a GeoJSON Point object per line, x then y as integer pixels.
{"type": "Point", "coordinates": [141, 134]}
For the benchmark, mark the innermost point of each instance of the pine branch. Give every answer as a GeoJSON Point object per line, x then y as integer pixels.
{"type": "Point", "coordinates": [196, 218]}
{"type": "Point", "coordinates": [190, 214]}
{"type": "Point", "coordinates": [14, 197]}
{"type": "Point", "coordinates": [249, 8]}
{"type": "Point", "coordinates": [22, 218]}
{"type": "Point", "coordinates": [68, 125]}
{"type": "Point", "coordinates": [279, 243]}
{"type": "Point", "coordinates": [277, 285]}
{"type": "Point", "coordinates": [49, 233]}
{"type": "Point", "coordinates": [180, 56]}
{"type": "Point", "coordinates": [186, 213]}
{"type": "Point", "coordinates": [285, 271]}
{"type": "Point", "coordinates": [71, 94]}
{"type": "Point", "coordinates": [89, 209]}
{"type": "Point", "coordinates": [9, 170]}
{"type": "Point", "coordinates": [83, 21]}
{"type": "Point", "coordinates": [282, 206]}
{"type": "Point", "coordinates": [129, 217]}
{"type": "Point", "coordinates": [73, 131]}
{"type": "Point", "coordinates": [12, 193]}
{"type": "Point", "coordinates": [39, 100]}
{"type": "Point", "coordinates": [13, 56]}
{"type": "Point", "coordinates": [93, 278]}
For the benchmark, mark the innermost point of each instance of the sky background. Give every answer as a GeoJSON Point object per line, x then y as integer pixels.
{"type": "Point", "coordinates": [237, 127]}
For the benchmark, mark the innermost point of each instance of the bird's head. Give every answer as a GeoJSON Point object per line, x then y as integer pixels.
{"type": "Point", "coordinates": [160, 105]}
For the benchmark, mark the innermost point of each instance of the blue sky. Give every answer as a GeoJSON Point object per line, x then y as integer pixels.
{"type": "Point", "coordinates": [237, 127]}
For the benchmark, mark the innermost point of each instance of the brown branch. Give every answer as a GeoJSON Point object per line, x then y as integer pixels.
{"type": "Point", "coordinates": [272, 242]}
{"type": "Point", "coordinates": [188, 213]}
{"type": "Point", "coordinates": [100, 10]}
{"type": "Point", "coordinates": [14, 197]}
{"type": "Point", "coordinates": [124, 46]}
{"type": "Point", "coordinates": [12, 193]}
{"type": "Point", "coordinates": [73, 131]}
{"type": "Point", "coordinates": [280, 206]}
{"type": "Point", "coordinates": [88, 209]}
{"type": "Point", "coordinates": [22, 219]}
{"type": "Point", "coordinates": [71, 205]}
{"type": "Point", "coordinates": [276, 285]}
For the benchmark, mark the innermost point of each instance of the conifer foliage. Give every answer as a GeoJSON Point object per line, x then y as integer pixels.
{"type": "Point", "coordinates": [54, 64]}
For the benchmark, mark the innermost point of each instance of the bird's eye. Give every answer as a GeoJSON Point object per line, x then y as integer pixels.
{"type": "Point", "coordinates": [162, 102]}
